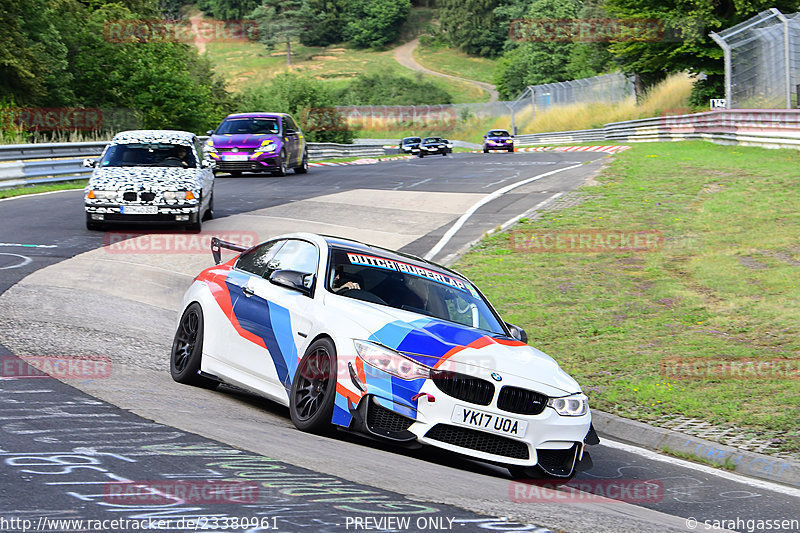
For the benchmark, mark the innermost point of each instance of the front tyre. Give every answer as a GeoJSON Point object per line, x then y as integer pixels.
{"type": "Point", "coordinates": [282, 170]}
{"type": "Point", "coordinates": [303, 168]}
{"type": "Point", "coordinates": [187, 349]}
{"type": "Point", "coordinates": [313, 390]}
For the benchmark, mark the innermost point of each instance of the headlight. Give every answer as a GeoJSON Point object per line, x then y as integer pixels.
{"type": "Point", "coordinates": [102, 195]}
{"type": "Point", "coordinates": [449, 145]}
{"type": "Point", "coordinates": [576, 405]}
{"type": "Point", "coordinates": [389, 361]}
{"type": "Point", "coordinates": [268, 146]}
{"type": "Point", "coordinates": [175, 196]}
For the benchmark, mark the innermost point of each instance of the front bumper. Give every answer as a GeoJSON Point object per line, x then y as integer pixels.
{"type": "Point", "coordinates": [255, 162]}
{"type": "Point", "coordinates": [546, 438]}
{"type": "Point", "coordinates": [162, 214]}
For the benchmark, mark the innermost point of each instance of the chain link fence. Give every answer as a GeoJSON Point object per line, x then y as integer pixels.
{"type": "Point", "coordinates": [608, 88]}
{"type": "Point", "coordinates": [762, 61]}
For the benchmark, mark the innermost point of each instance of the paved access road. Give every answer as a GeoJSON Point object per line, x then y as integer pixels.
{"type": "Point", "coordinates": [124, 306]}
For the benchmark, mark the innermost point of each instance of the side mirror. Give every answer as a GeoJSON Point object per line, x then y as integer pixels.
{"type": "Point", "coordinates": [292, 279]}
{"type": "Point", "coordinates": [210, 132]}
{"type": "Point", "coordinates": [512, 136]}
{"type": "Point", "coordinates": [89, 163]}
{"type": "Point", "coordinates": [518, 333]}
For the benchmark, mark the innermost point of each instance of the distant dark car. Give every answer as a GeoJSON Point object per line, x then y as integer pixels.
{"type": "Point", "coordinates": [435, 145]}
{"type": "Point", "coordinates": [410, 145]}
{"type": "Point", "coordinates": [498, 140]}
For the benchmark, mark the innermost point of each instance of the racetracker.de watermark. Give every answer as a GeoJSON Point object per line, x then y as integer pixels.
{"type": "Point", "coordinates": [676, 368]}
{"type": "Point", "coordinates": [636, 491]}
{"type": "Point", "coordinates": [179, 31]}
{"type": "Point", "coordinates": [380, 118]}
{"type": "Point", "coordinates": [59, 367]}
{"type": "Point", "coordinates": [162, 492]}
{"type": "Point", "coordinates": [133, 242]}
{"type": "Point", "coordinates": [599, 30]}
{"type": "Point", "coordinates": [585, 241]}
{"type": "Point", "coordinates": [52, 118]}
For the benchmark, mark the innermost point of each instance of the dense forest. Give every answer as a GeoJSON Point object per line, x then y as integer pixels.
{"type": "Point", "coordinates": [59, 53]}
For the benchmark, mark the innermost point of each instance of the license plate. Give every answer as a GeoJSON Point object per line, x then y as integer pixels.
{"type": "Point", "coordinates": [237, 157]}
{"type": "Point", "coordinates": [138, 210]}
{"type": "Point", "coordinates": [502, 425]}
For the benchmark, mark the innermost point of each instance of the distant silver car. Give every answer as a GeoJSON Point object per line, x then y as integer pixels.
{"type": "Point", "coordinates": [150, 176]}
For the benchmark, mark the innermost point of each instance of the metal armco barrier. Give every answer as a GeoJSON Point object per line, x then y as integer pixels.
{"type": "Point", "coordinates": [778, 128]}
{"type": "Point", "coordinates": [31, 164]}
{"type": "Point", "coordinates": [560, 137]}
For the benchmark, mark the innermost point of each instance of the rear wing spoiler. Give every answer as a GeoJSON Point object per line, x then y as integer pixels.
{"type": "Point", "coordinates": [217, 245]}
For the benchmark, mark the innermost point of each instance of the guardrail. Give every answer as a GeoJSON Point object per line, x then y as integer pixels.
{"type": "Point", "coordinates": [754, 127]}
{"type": "Point", "coordinates": [31, 164]}
{"type": "Point", "coordinates": [560, 137]}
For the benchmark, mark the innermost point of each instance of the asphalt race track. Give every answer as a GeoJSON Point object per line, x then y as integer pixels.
{"type": "Point", "coordinates": [66, 446]}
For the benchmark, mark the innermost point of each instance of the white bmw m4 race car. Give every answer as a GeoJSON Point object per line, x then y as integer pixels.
{"type": "Point", "coordinates": [384, 344]}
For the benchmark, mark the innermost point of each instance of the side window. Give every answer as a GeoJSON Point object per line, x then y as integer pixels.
{"type": "Point", "coordinates": [292, 124]}
{"type": "Point", "coordinates": [256, 261]}
{"type": "Point", "coordinates": [296, 255]}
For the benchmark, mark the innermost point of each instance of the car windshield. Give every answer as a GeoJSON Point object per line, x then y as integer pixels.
{"type": "Point", "coordinates": [149, 155]}
{"type": "Point", "coordinates": [409, 287]}
{"type": "Point", "coordinates": [411, 140]}
{"type": "Point", "coordinates": [432, 140]}
{"type": "Point", "coordinates": [249, 126]}
{"type": "Point", "coordinates": [498, 133]}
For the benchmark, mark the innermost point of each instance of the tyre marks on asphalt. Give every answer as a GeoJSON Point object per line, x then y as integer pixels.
{"type": "Point", "coordinates": [108, 464]}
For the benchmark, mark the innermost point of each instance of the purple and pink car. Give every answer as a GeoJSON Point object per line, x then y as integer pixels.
{"type": "Point", "coordinates": [498, 140]}
{"type": "Point", "coordinates": [258, 142]}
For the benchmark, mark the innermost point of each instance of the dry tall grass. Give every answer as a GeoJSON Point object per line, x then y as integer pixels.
{"type": "Point", "coordinates": [669, 97]}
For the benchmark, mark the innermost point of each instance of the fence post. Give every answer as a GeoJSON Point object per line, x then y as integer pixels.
{"type": "Point", "coordinates": [726, 50]}
{"type": "Point", "coordinates": [786, 56]}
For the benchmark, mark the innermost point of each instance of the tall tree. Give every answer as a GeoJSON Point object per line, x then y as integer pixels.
{"type": "Point", "coordinates": [471, 26]}
{"type": "Point", "coordinates": [281, 21]}
{"type": "Point", "coordinates": [686, 45]}
{"type": "Point", "coordinates": [376, 23]}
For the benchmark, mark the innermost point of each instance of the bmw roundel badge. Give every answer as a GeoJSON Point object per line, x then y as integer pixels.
{"type": "Point", "coordinates": [496, 376]}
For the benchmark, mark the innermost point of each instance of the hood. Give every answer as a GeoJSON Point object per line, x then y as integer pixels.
{"type": "Point", "coordinates": [243, 141]}
{"type": "Point", "coordinates": [442, 344]}
{"type": "Point", "coordinates": [145, 179]}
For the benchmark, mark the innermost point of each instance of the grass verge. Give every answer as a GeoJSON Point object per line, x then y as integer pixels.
{"type": "Point", "coordinates": [33, 189]}
{"type": "Point", "coordinates": [456, 63]}
{"type": "Point", "coordinates": [723, 288]}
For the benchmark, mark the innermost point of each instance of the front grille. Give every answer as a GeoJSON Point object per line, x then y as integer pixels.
{"type": "Point", "coordinates": [479, 441]}
{"type": "Point", "coordinates": [378, 417]}
{"type": "Point", "coordinates": [464, 387]}
{"type": "Point", "coordinates": [116, 217]}
{"type": "Point", "coordinates": [143, 196]}
{"type": "Point", "coordinates": [246, 165]}
{"type": "Point", "coordinates": [521, 401]}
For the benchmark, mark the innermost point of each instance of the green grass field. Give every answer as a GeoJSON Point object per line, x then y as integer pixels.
{"type": "Point", "coordinates": [246, 64]}
{"type": "Point", "coordinates": [33, 189]}
{"type": "Point", "coordinates": [723, 287]}
{"type": "Point", "coordinates": [456, 63]}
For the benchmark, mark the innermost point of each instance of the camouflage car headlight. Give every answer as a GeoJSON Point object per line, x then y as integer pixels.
{"type": "Point", "coordinates": [102, 195]}
{"type": "Point", "coordinates": [177, 196]}
{"type": "Point", "coordinates": [268, 146]}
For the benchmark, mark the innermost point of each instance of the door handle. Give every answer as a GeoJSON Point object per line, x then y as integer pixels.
{"type": "Point", "coordinates": [248, 291]}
